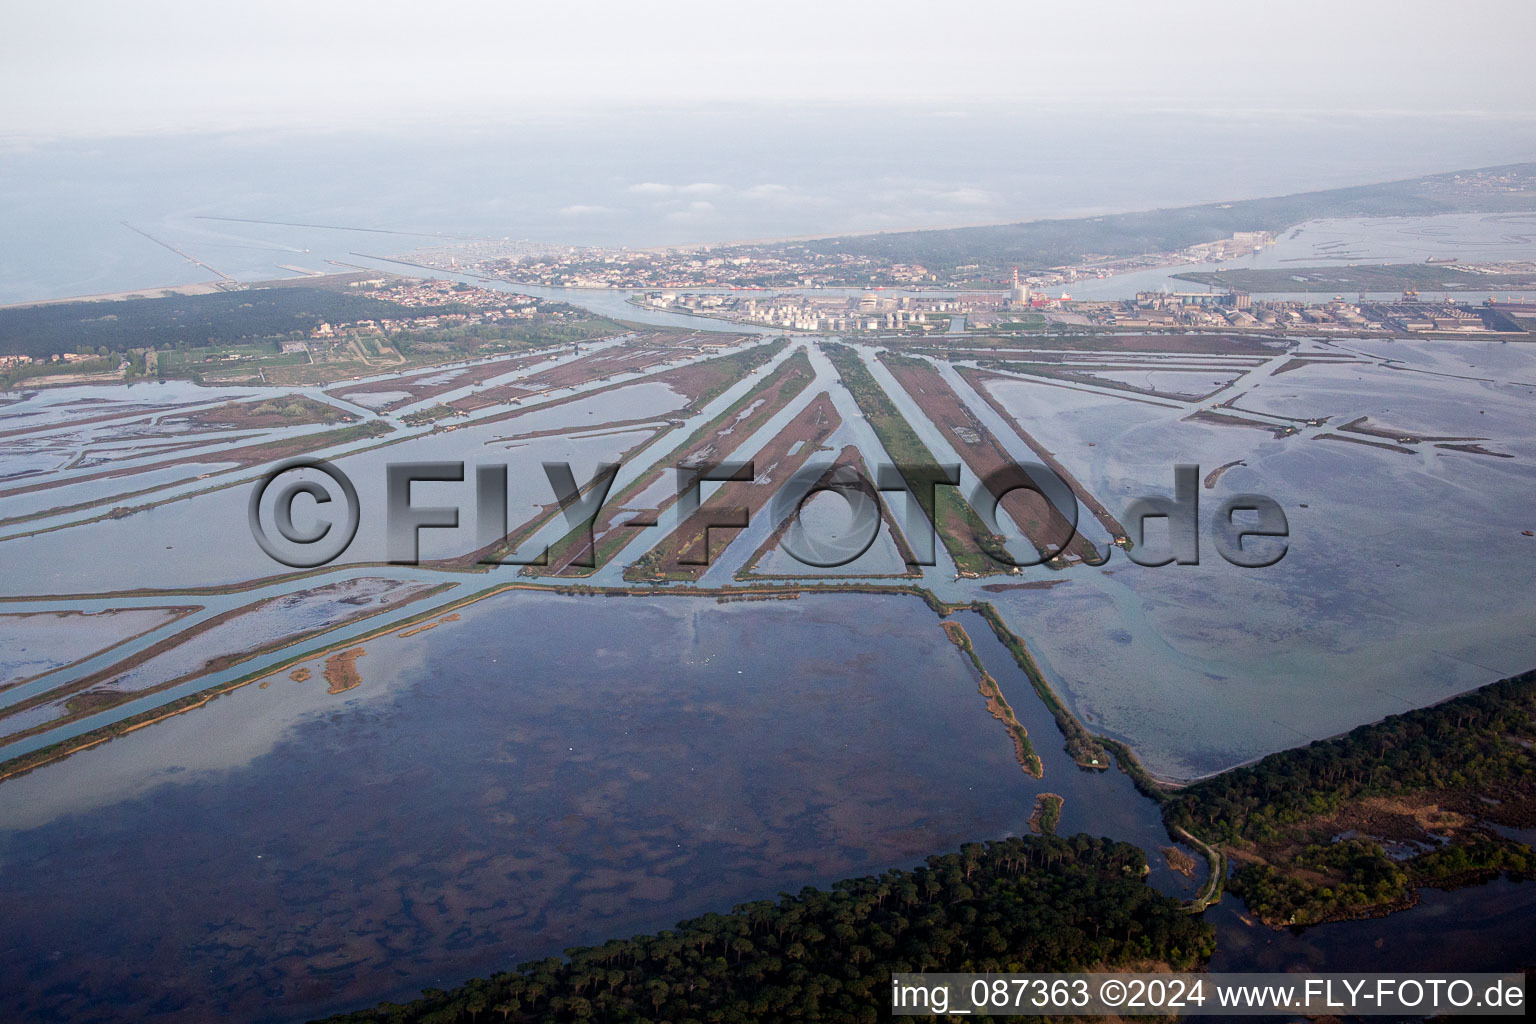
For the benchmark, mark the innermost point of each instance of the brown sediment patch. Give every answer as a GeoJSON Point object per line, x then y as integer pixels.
{"type": "Point", "coordinates": [1220, 419]}
{"type": "Point", "coordinates": [978, 379]}
{"type": "Point", "coordinates": [1361, 440]}
{"type": "Point", "coordinates": [1003, 588]}
{"type": "Point", "coordinates": [848, 458]}
{"type": "Point", "coordinates": [1179, 861]}
{"type": "Point", "coordinates": [712, 442]}
{"type": "Point", "coordinates": [1398, 819]}
{"type": "Point", "coordinates": [1475, 449]}
{"type": "Point", "coordinates": [685, 554]}
{"type": "Point", "coordinates": [1042, 523]}
{"type": "Point", "coordinates": [300, 674]}
{"type": "Point", "coordinates": [341, 671]}
{"type": "Point", "coordinates": [428, 625]}
{"type": "Point", "coordinates": [1215, 474]}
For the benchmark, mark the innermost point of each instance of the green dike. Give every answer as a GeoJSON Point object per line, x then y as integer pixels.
{"type": "Point", "coordinates": [1084, 748]}
{"type": "Point", "coordinates": [1022, 904]}
{"type": "Point", "coordinates": [796, 375]}
{"type": "Point", "coordinates": [1452, 772]}
{"type": "Point", "coordinates": [998, 704]}
{"type": "Point", "coordinates": [957, 523]}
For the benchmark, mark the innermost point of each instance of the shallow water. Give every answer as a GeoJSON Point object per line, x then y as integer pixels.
{"type": "Point", "coordinates": [484, 798]}
{"type": "Point", "coordinates": [1407, 578]}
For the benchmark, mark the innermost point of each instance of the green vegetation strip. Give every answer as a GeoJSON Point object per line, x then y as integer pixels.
{"type": "Point", "coordinates": [957, 523]}
{"type": "Point", "coordinates": [1085, 748]}
{"type": "Point", "coordinates": [997, 704]}
{"type": "Point", "coordinates": [1047, 814]}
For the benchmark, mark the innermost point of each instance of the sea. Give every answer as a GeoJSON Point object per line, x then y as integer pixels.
{"type": "Point", "coordinates": [82, 216]}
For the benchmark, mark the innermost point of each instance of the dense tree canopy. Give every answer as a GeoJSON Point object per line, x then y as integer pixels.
{"type": "Point", "coordinates": [1473, 752]}
{"type": "Point", "coordinates": [1030, 904]}
{"type": "Point", "coordinates": [1480, 740]}
{"type": "Point", "coordinates": [191, 320]}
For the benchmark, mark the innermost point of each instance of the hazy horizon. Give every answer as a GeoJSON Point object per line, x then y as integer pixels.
{"type": "Point", "coordinates": [102, 69]}
{"type": "Point", "coordinates": [701, 175]}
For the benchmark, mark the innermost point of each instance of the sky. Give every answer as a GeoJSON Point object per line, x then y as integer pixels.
{"type": "Point", "coordinates": [103, 67]}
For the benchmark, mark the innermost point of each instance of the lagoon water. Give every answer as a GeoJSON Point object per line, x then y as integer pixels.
{"type": "Point", "coordinates": [488, 796]}
{"type": "Point", "coordinates": [484, 798]}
